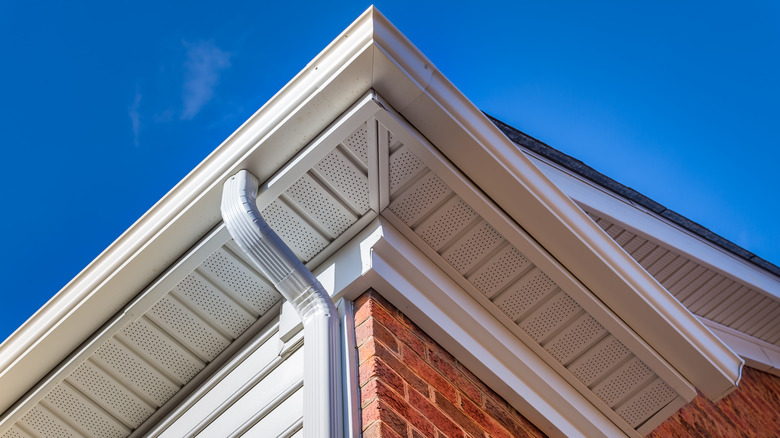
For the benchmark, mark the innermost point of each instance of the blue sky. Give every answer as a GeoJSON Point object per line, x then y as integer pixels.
{"type": "Point", "coordinates": [106, 105]}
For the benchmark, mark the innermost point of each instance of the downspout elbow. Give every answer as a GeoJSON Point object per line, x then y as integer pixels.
{"type": "Point", "coordinates": [276, 261]}
{"type": "Point", "coordinates": [265, 248]}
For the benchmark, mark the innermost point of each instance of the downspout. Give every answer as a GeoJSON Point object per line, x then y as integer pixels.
{"type": "Point", "coordinates": [322, 371]}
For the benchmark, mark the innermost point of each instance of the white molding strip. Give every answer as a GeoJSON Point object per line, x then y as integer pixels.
{"type": "Point", "coordinates": [758, 354]}
{"type": "Point", "coordinates": [380, 257]}
{"type": "Point", "coordinates": [487, 157]}
{"type": "Point", "coordinates": [639, 220]}
{"type": "Point", "coordinates": [529, 247]}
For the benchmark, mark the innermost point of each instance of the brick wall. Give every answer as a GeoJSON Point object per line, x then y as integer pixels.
{"type": "Point", "coordinates": [411, 387]}
{"type": "Point", "coordinates": [752, 410]}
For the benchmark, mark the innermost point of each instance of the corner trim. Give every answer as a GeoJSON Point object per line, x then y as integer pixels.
{"type": "Point", "coordinates": [395, 268]}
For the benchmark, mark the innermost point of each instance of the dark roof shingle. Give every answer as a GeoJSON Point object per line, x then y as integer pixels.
{"type": "Point", "coordinates": [608, 183]}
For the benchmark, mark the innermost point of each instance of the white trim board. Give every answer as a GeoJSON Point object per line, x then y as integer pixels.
{"type": "Point", "coordinates": [370, 53]}
{"type": "Point", "coordinates": [638, 220]}
{"type": "Point", "coordinates": [381, 258]}
{"type": "Point", "coordinates": [758, 354]}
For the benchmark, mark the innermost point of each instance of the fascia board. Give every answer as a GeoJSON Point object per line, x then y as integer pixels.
{"type": "Point", "coordinates": [757, 353]}
{"type": "Point", "coordinates": [468, 139]}
{"type": "Point", "coordinates": [380, 257]}
{"type": "Point", "coordinates": [369, 53]}
{"type": "Point", "coordinates": [324, 89]}
{"type": "Point", "coordinates": [529, 248]}
{"type": "Point", "coordinates": [641, 221]}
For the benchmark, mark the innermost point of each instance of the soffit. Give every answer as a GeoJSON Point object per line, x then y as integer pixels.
{"type": "Point", "coordinates": [176, 329]}
{"type": "Point", "coordinates": [367, 162]}
{"type": "Point", "coordinates": [707, 292]}
{"type": "Point", "coordinates": [710, 282]}
{"type": "Point", "coordinates": [385, 167]}
{"type": "Point", "coordinates": [371, 52]}
{"type": "Point", "coordinates": [520, 284]}
{"type": "Point", "coordinates": [326, 193]}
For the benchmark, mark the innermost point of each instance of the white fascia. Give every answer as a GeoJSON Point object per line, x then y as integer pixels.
{"type": "Point", "coordinates": [380, 257]}
{"type": "Point", "coordinates": [316, 96]}
{"type": "Point", "coordinates": [758, 354]}
{"type": "Point", "coordinates": [463, 134]}
{"type": "Point", "coordinates": [370, 53]}
{"type": "Point", "coordinates": [638, 220]}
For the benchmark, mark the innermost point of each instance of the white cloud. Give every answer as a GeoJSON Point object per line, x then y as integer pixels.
{"type": "Point", "coordinates": [205, 62]}
{"type": "Point", "coordinates": [135, 118]}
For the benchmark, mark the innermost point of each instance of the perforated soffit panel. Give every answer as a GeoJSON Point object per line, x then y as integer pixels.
{"type": "Point", "coordinates": [520, 293]}
{"type": "Point", "coordinates": [132, 374]}
{"type": "Point", "coordinates": [377, 169]}
{"type": "Point", "coordinates": [385, 166]}
{"type": "Point", "coordinates": [323, 197]}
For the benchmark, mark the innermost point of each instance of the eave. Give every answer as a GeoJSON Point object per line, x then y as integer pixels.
{"type": "Point", "coordinates": [720, 287]}
{"type": "Point", "coordinates": [370, 54]}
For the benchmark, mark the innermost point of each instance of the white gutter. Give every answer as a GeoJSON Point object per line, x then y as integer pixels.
{"type": "Point", "coordinates": [322, 371]}
{"type": "Point", "coordinates": [370, 53]}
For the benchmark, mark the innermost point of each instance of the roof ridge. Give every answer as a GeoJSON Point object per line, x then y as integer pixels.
{"type": "Point", "coordinates": [582, 169]}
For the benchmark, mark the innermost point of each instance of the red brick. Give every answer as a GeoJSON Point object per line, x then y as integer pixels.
{"type": "Point", "coordinates": [382, 301]}
{"type": "Point", "coordinates": [434, 347]}
{"type": "Point", "coordinates": [401, 367]}
{"type": "Point", "coordinates": [753, 409]}
{"type": "Point", "coordinates": [363, 332]}
{"type": "Point", "coordinates": [459, 417]}
{"type": "Point", "coordinates": [485, 421]}
{"type": "Point", "coordinates": [406, 321]}
{"type": "Point", "coordinates": [362, 308]}
{"type": "Point", "coordinates": [375, 367]}
{"type": "Point", "coordinates": [371, 327]}
{"type": "Point", "coordinates": [378, 411]}
{"type": "Point", "coordinates": [516, 424]}
{"type": "Point", "coordinates": [396, 402]}
{"type": "Point", "coordinates": [428, 374]}
{"type": "Point", "coordinates": [370, 413]}
{"type": "Point", "coordinates": [397, 328]}
{"type": "Point", "coordinates": [458, 379]}
{"type": "Point", "coordinates": [380, 430]}
{"type": "Point", "coordinates": [412, 387]}
{"type": "Point", "coordinates": [366, 351]}
{"type": "Point", "coordinates": [482, 387]}
{"type": "Point", "coordinates": [417, 434]}
{"type": "Point", "coordinates": [365, 304]}
{"type": "Point", "coordinates": [431, 412]}
{"type": "Point", "coordinates": [414, 328]}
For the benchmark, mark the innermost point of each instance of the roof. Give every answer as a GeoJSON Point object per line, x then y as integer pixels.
{"type": "Point", "coordinates": [736, 298]}
{"type": "Point", "coordinates": [371, 74]}
{"type": "Point", "coordinates": [608, 183]}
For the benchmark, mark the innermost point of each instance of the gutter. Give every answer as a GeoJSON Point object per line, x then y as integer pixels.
{"type": "Point", "coordinates": [276, 261]}
{"type": "Point", "coordinates": [598, 178]}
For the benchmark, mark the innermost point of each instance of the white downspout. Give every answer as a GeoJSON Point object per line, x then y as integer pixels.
{"type": "Point", "coordinates": [322, 371]}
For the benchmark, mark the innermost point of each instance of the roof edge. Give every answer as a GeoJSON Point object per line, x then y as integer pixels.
{"type": "Point", "coordinates": [381, 57]}
{"type": "Point", "coordinates": [494, 162]}
{"type": "Point", "coordinates": [589, 173]}
{"type": "Point", "coordinates": [156, 239]}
